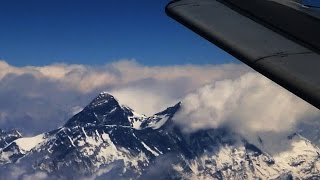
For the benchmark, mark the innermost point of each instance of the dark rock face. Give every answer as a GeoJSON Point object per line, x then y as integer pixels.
{"type": "Point", "coordinates": [7, 137]}
{"type": "Point", "coordinates": [103, 110]}
{"type": "Point", "coordinates": [112, 138]}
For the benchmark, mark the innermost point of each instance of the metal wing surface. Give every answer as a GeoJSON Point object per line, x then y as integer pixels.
{"type": "Point", "coordinates": [278, 38]}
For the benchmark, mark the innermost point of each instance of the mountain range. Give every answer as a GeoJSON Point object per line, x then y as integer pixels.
{"type": "Point", "coordinates": [108, 140]}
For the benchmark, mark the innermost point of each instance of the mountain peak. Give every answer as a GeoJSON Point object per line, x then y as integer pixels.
{"type": "Point", "coordinates": [104, 110]}
{"type": "Point", "coordinates": [171, 110]}
{"type": "Point", "coordinates": [103, 98]}
{"type": "Point", "coordinates": [105, 94]}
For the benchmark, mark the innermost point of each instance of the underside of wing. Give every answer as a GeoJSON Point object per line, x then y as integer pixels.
{"type": "Point", "coordinates": [278, 38]}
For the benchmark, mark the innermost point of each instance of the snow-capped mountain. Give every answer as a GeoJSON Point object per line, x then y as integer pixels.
{"type": "Point", "coordinates": [107, 139]}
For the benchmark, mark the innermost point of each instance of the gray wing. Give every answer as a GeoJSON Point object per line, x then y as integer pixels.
{"type": "Point", "coordinates": [280, 39]}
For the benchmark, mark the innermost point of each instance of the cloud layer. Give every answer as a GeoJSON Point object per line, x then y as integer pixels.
{"type": "Point", "coordinates": [37, 99]}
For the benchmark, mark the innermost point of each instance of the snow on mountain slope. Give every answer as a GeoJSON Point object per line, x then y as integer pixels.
{"type": "Point", "coordinates": [245, 162]}
{"type": "Point", "coordinates": [111, 138]}
{"type": "Point", "coordinates": [19, 147]}
{"type": "Point", "coordinates": [28, 143]}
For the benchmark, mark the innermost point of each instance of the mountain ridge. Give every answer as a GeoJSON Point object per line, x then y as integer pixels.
{"type": "Point", "coordinates": [111, 137]}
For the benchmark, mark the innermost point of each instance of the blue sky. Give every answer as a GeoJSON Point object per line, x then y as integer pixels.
{"type": "Point", "coordinates": [315, 3]}
{"type": "Point", "coordinates": [37, 32]}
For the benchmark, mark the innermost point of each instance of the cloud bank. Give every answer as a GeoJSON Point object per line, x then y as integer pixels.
{"type": "Point", "coordinates": [36, 99]}
{"type": "Point", "coordinates": [248, 104]}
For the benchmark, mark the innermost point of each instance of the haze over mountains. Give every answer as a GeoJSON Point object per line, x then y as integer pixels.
{"type": "Point", "coordinates": [110, 140]}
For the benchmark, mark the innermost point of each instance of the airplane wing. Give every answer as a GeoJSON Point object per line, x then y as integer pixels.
{"type": "Point", "coordinates": [278, 38]}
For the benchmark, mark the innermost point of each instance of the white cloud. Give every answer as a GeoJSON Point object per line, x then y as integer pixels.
{"type": "Point", "coordinates": [248, 104]}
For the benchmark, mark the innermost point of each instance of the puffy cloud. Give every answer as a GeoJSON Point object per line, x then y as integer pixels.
{"type": "Point", "coordinates": [248, 104]}
{"type": "Point", "coordinates": [36, 99]}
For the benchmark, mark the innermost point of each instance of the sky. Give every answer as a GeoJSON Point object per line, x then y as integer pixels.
{"type": "Point", "coordinates": [313, 3]}
{"type": "Point", "coordinates": [96, 32]}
